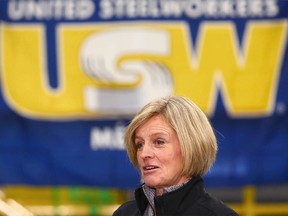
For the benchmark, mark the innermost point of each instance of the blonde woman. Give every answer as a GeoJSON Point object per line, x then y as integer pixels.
{"type": "Point", "coordinates": [172, 144]}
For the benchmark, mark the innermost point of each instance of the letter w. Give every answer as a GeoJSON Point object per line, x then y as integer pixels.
{"type": "Point", "coordinates": [247, 78]}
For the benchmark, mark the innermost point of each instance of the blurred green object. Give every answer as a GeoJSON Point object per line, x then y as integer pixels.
{"type": "Point", "coordinates": [74, 200]}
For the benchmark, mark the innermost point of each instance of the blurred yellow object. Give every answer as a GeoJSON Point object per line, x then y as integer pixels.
{"type": "Point", "coordinates": [90, 201]}
{"type": "Point", "coordinates": [48, 201]}
{"type": "Point", "coordinates": [250, 207]}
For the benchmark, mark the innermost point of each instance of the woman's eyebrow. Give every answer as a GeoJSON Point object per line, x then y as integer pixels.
{"type": "Point", "coordinates": [162, 134]}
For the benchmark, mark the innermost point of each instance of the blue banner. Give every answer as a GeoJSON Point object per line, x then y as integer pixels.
{"type": "Point", "coordinates": [74, 73]}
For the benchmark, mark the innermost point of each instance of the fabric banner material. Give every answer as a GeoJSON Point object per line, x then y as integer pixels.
{"type": "Point", "coordinates": [74, 73]}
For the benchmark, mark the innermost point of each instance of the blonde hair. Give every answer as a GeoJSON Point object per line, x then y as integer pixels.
{"type": "Point", "coordinates": [196, 137]}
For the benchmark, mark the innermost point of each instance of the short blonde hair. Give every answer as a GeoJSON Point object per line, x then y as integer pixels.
{"type": "Point", "coordinates": [196, 137]}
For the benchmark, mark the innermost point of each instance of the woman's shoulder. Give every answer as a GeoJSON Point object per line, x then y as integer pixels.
{"type": "Point", "coordinates": [127, 208]}
{"type": "Point", "coordinates": [215, 206]}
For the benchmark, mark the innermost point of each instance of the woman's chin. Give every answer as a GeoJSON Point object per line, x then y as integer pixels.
{"type": "Point", "coordinates": [150, 182]}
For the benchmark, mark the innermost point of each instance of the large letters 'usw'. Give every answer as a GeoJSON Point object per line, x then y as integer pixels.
{"type": "Point", "coordinates": [154, 59]}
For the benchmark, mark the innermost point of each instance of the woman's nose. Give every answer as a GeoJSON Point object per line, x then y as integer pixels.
{"type": "Point", "coordinates": [147, 151]}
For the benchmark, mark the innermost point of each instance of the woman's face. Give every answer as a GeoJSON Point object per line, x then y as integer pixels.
{"type": "Point", "coordinates": [158, 154]}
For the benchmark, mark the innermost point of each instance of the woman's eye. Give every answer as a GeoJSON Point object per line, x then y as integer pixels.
{"type": "Point", "coordinates": [159, 142]}
{"type": "Point", "coordinates": [139, 145]}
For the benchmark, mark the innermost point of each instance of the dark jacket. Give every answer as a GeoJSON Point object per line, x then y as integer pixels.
{"type": "Point", "coordinates": [189, 200]}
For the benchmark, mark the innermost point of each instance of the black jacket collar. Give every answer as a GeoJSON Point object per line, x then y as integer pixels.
{"type": "Point", "coordinates": [174, 201]}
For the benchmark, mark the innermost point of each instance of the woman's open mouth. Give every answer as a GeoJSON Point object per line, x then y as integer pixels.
{"type": "Point", "coordinates": [149, 168]}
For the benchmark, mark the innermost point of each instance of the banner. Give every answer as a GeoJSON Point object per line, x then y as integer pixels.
{"type": "Point", "coordinates": [74, 73]}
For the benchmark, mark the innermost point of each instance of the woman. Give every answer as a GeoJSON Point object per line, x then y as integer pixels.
{"type": "Point", "coordinates": [171, 142]}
